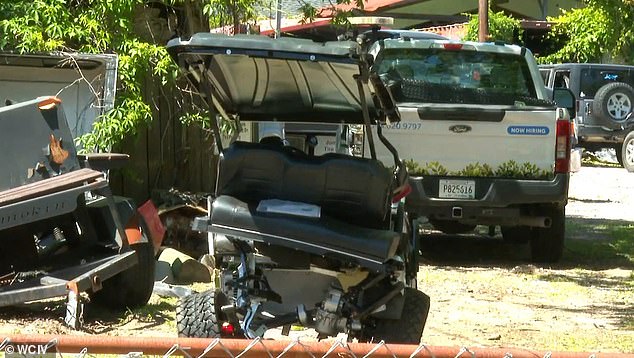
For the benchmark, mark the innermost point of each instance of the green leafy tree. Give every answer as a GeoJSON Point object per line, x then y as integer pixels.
{"type": "Point", "coordinates": [107, 26]}
{"type": "Point", "coordinates": [501, 27]}
{"type": "Point", "coordinates": [602, 30]}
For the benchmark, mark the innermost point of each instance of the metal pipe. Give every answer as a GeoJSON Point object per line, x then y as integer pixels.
{"type": "Point", "coordinates": [259, 348]}
{"type": "Point", "coordinates": [535, 221]}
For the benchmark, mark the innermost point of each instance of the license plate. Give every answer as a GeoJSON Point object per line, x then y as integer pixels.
{"type": "Point", "coordinates": [456, 189]}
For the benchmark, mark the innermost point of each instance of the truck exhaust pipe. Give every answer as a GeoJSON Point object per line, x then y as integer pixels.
{"type": "Point", "coordinates": [535, 221]}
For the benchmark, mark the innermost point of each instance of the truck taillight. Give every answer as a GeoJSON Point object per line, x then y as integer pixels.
{"type": "Point", "coordinates": [562, 145]}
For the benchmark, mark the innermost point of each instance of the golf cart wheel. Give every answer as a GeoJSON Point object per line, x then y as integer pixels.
{"type": "Point", "coordinates": [198, 315]}
{"type": "Point", "coordinates": [613, 104]}
{"type": "Point", "coordinates": [408, 329]}
{"type": "Point", "coordinates": [132, 287]}
{"type": "Point", "coordinates": [547, 244]}
{"type": "Point", "coordinates": [627, 152]}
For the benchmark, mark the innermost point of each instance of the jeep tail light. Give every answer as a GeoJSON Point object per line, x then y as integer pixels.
{"type": "Point", "coordinates": [562, 144]}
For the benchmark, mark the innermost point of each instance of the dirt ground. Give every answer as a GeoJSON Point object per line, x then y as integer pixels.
{"type": "Point", "coordinates": [484, 293]}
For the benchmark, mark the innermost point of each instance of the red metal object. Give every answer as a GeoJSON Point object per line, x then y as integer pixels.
{"type": "Point", "coordinates": [157, 231]}
{"type": "Point", "coordinates": [261, 348]}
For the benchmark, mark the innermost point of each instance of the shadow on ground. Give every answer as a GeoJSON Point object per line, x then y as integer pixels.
{"type": "Point", "coordinates": [593, 244]}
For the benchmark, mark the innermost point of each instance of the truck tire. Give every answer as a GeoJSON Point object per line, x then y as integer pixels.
{"type": "Point", "coordinates": [451, 227]}
{"type": "Point", "coordinates": [627, 152]}
{"type": "Point", "coordinates": [547, 244]}
{"type": "Point", "coordinates": [613, 103]}
{"type": "Point", "coordinates": [408, 329]}
{"type": "Point", "coordinates": [198, 315]}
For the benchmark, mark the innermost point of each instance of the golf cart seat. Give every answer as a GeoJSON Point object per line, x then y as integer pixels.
{"type": "Point", "coordinates": [352, 193]}
{"type": "Point", "coordinates": [351, 189]}
{"type": "Point", "coordinates": [324, 236]}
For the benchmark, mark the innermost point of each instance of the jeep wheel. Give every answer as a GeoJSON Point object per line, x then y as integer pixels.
{"type": "Point", "coordinates": [613, 103]}
{"type": "Point", "coordinates": [547, 244]}
{"type": "Point", "coordinates": [627, 152]}
{"type": "Point", "coordinates": [451, 227]}
{"type": "Point", "coordinates": [198, 315]}
{"type": "Point", "coordinates": [408, 329]}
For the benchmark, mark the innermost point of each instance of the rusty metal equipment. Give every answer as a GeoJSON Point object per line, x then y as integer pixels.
{"type": "Point", "coordinates": [61, 230]}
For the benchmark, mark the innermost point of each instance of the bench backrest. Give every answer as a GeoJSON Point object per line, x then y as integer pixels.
{"type": "Point", "coordinates": [351, 189]}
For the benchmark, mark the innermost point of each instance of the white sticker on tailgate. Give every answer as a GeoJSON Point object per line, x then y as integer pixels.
{"type": "Point", "coordinates": [456, 189]}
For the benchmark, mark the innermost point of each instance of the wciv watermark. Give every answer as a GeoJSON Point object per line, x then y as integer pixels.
{"type": "Point", "coordinates": [40, 350]}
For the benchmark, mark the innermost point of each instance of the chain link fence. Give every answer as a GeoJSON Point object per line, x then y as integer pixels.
{"type": "Point", "coordinates": [94, 346]}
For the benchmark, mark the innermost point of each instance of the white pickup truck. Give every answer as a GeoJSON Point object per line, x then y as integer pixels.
{"type": "Point", "coordinates": [482, 138]}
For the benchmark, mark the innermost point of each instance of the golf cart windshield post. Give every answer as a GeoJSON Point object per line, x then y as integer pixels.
{"type": "Point", "coordinates": [388, 107]}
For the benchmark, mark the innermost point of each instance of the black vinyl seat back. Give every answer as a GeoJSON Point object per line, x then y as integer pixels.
{"type": "Point", "coordinates": [354, 190]}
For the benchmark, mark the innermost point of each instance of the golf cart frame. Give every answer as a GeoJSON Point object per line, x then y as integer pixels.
{"type": "Point", "coordinates": [301, 239]}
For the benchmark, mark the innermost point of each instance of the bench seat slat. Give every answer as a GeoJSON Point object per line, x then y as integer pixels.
{"type": "Point", "coordinates": [48, 186]}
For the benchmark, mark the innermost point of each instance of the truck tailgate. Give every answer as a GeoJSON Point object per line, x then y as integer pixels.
{"type": "Point", "coordinates": [455, 140]}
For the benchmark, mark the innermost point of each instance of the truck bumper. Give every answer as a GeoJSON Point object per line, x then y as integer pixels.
{"type": "Point", "coordinates": [498, 201]}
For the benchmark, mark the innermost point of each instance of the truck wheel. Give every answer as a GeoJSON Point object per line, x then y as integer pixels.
{"type": "Point", "coordinates": [627, 152]}
{"type": "Point", "coordinates": [547, 244]}
{"type": "Point", "coordinates": [516, 234]}
{"type": "Point", "coordinates": [613, 103]}
{"type": "Point", "coordinates": [408, 329]}
{"type": "Point", "coordinates": [451, 227]}
{"type": "Point", "coordinates": [197, 315]}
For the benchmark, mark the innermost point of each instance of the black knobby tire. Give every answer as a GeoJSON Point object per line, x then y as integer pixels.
{"type": "Point", "coordinates": [198, 315]}
{"type": "Point", "coordinates": [613, 103]}
{"type": "Point", "coordinates": [132, 287]}
{"type": "Point", "coordinates": [408, 329]}
{"type": "Point", "coordinates": [451, 227]}
{"type": "Point", "coordinates": [516, 234]}
{"type": "Point", "coordinates": [627, 150]}
{"type": "Point", "coordinates": [547, 244]}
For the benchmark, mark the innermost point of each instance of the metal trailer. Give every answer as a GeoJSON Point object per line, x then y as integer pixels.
{"type": "Point", "coordinates": [61, 230]}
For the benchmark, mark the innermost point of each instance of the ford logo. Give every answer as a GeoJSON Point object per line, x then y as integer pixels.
{"type": "Point", "coordinates": [460, 128]}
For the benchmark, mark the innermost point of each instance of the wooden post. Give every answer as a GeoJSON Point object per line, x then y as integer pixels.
{"type": "Point", "coordinates": [483, 20]}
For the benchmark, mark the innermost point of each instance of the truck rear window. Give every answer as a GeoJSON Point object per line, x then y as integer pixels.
{"type": "Point", "coordinates": [465, 77]}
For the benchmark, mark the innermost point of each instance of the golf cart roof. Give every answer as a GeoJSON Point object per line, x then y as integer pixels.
{"type": "Point", "coordinates": [259, 78]}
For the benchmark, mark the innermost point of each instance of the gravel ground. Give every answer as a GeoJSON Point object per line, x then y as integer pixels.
{"type": "Point", "coordinates": [601, 193]}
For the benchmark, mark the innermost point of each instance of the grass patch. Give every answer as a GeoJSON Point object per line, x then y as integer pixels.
{"type": "Point", "coordinates": [612, 244]}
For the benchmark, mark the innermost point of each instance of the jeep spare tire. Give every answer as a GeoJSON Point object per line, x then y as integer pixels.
{"type": "Point", "coordinates": [613, 104]}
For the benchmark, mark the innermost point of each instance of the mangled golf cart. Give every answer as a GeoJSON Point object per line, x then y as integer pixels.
{"type": "Point", "coordinates": [61, 230]}
{"type": "Point", "coordinates": [299, 238]}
